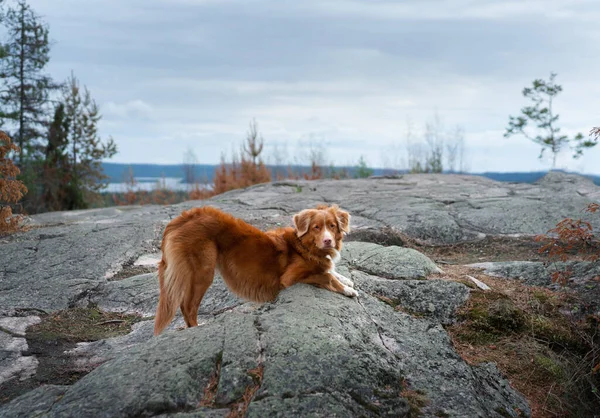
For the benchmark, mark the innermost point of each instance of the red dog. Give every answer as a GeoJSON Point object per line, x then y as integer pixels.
{"type": "Point", "coordinates": [255, 265]}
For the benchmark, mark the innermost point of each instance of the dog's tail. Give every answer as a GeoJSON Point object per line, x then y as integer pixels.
{"type": "Point", "coordinates": [174, 281]}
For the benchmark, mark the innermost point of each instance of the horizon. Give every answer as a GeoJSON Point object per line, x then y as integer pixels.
{"type": "Point", "coordinates": [371, 167]}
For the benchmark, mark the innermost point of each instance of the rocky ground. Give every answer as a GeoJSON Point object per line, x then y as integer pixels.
{"type": "Point", "coordinates": [78, 291]}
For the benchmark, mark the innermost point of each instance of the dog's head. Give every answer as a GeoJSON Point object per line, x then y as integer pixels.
{"type": "Point", "coordinates": [323, 227]}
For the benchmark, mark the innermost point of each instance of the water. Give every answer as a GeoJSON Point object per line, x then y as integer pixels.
{"type": "Point", "coordinates": [149, 184]}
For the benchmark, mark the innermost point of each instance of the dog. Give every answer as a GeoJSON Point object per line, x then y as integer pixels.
{"type": "Point", "coordinates": [255, 265]}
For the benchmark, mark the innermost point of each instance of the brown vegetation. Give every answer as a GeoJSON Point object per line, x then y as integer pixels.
{"type": "Point", "coordinates": [547, 356]}
{"type": "Point", "coordinates": [241, 172]}
{"type": "Point", "coordinates": [238, 408]}
{"type": "Point", "coordinates": [160, 195]}
{"type": "Point", "coordinates": [244, 170]}
{"type": "Point", "coordinates": [571, 237]}
{"type": "Point", "coordinates": [11, 189]}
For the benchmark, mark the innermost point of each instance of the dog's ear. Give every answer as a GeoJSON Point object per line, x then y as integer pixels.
{"type": "Point", "coordinates": [302, 221]}
{"type": "Point", "coordinates": [343, 219]}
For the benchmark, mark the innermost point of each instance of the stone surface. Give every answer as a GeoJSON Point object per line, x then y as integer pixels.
{"type": "Point", "coordinates": [390, 262]}
{"type": "Point", "coordinates": [139, 295]}
{"type": "Point", "coordinates": [13, 345]}
{"type": "Point", "coordinates": [431, 298]}
{"type": "Point", "coordinates": [536, 273]}
{"type": "Point", "coordinates": [584, 282]}
{"type": "Point", "coordinates": [18, 324]}
{"type": "Point", "coordinates": [68, 255]}
{"type": "Point", "coordinates": [36, 403]}
{"type": "Point", "coordinates": [320, 353]}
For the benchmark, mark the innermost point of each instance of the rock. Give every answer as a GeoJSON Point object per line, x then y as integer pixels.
{"type": "Point", "coordinates": [500, 390]}
{"type": "Point", "coordinates": [70, 254]}
{"type": "Point", "coordinates": [389, 262]}
{"type": "Point", "coordinates": [311, 352]}
{"type": "Point", "coordinates": [50, 268]}
{"type": "Point", "coordinates": [536, 273]}
{"type": "Point", "coordinates": [36, 403]}
{"type": "Point", "coordinates": [139, 295]}
{"type": "Point", "coordinates": [437, 208]}
{"type": "Point", "coordinates": [583, 283]}
{"type": "Point", "coordinates": [88, 355]}
{"type": "Point", "coordinates": [13, 346]}
{"type": "Point", "coordinates": [478, 283]}
{"type": "Point", "coordinates": [13, 364]}
{"type": "Point", "coordinates": [560, 182]}
{"type": "Point", "coordinates": [432, 298]}
{"type": "Point", "coordinates": [425, 354]}
{"type": "Point", "coordinates": [18, 324]}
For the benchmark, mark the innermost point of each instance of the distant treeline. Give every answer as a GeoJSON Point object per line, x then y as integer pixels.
{"type": "Point", "coordinates": [205, 173]}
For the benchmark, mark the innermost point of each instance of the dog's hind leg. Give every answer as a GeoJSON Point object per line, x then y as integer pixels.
{"type": "Point", "coordinates": [203, 274]}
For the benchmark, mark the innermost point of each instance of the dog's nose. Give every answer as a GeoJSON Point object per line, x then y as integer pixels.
{"type": "Point", "coordinates": [327, 241]}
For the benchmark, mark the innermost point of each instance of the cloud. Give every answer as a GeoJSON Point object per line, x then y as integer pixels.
{"type": "Point", "coordinates": [134, 109]}
{"type": "Point", "coordinates": [192, 73]}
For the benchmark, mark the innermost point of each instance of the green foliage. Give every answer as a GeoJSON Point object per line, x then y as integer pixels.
{"type": "Point", "coordinates": [83, 148]}
{"type": "Point", "coordinates": [549, 367]}
{"type": "Point", "coordinates": [26, 90]}
{"type": "Point", "coordinates": [362, 170]}
{"type": "Point", "coordinates": [545, 131]}
{"type": "Point", "coordinates": [56, 170]}
{"type": "Point", "coordinates": [60, 151]}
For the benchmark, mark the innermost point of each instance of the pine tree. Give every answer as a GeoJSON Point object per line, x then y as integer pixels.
{"type": "Point", "coordinates": [84, 149]}
{"type": "Point", "coordinates": [543, 116]}
{"type": "Point", "coordinates": [362, 169]}
{"type": "Point", "coordinates": [26, 92]}
{"type": "Point", "coordinates": [56, 168]}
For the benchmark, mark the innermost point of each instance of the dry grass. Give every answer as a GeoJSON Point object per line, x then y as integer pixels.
{"type": "Point", "coordinates": [571, 238]}
{"type": "Point", "coordinates": [83, 324]}
{"type": "Point", "coordinates": [210, 391]}
{"type": "Point", "coordinates": [545, 355]}
{"type": "Point", "coordinates": [416, 399]}
{"type": "Point", "coordinates": [240, 408]}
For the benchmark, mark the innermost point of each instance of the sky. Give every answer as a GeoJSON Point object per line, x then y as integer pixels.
{"type": "Point", "coordinates": [348, 78]}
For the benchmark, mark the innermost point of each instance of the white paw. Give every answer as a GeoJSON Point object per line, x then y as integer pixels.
{"type": "Point", "coordinates": [346, 281]}
{"type": "Point", "coordinates": [348, 291]}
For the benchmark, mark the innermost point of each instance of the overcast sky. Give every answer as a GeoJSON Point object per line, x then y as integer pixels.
{"type": "Point", "coordinates": [346, 76]}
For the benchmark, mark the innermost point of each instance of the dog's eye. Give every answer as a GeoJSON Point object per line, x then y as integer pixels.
{"type": "Point", "coordinates": [332, 226]}
{"type": "Point", "coordinates": [317, 227]}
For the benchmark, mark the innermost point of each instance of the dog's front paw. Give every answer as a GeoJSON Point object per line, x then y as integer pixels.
{"type": "Point", "coordinates": [348, 291]}
{"type": "Point", "coordinates": [345, 281]}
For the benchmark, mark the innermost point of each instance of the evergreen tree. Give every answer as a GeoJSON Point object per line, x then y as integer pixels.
{"type": "Point", "coordinates": [56, 168]}
{"type": "Point", "coordinates": [25, 95]}
{"type": "Point", "coordinates": [362, 169]}
{"type": "Point", "coordinates": [542, 115]}
{"type": "Point", "coordinates": [83, 148]}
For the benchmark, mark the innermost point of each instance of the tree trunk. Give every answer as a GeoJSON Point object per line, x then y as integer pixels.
{"type": "Point", "coordinates": [22, 84]}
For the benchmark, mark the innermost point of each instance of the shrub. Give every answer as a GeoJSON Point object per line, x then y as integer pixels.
{"type": "Point", "coordinates": [11, 189]}
{"type": "Point", "coordinates": [571, 237]}
{"type": "Point", "coordinates": [245, 171]}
